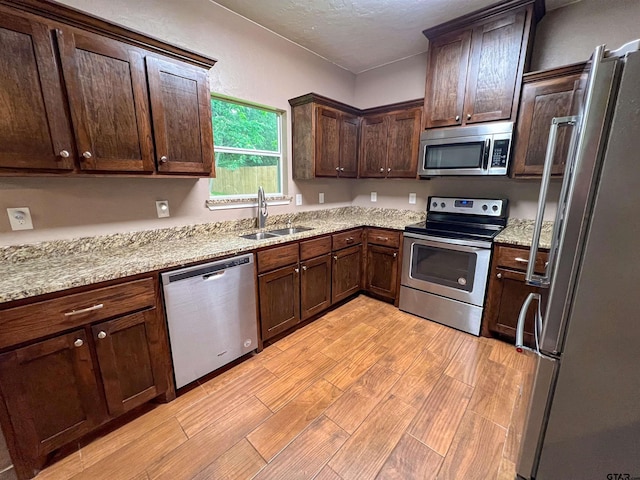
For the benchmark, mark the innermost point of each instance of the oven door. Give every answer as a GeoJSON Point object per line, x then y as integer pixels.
{"type": "Point", "coordinates": [459, 156]}
{"type": "Point", "coordinates": [446, 269]}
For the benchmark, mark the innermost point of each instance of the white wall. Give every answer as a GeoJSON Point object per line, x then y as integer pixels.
{"type": "Point", "coordinates": [253, 64]}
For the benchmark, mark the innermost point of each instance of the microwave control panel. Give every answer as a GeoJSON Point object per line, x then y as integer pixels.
{"type": "Point", "coordinates": [500, 153]}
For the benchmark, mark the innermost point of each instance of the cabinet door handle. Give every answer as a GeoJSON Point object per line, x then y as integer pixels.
{"type": "Point", "coordinates": [296, 270]}
{"type": "Point", "coordinates": [87, 155]}
{"type": "Point", "coordinates": [102, 334]}
{"type": "Point", "coordinates": [499, 275]}
{"type": "Point", "coordinates": [163, 159]}
{"type": "Point", "coordinates": [78, 342]}
{"type": "Point", "coordinates": [521, 260]}
{"type": "Point", "coordinates": [337, 169]}
{"type": "Point", "coordinates": [335, 257]}
{"type": "Point", "coordinates": [395, 254]}
{"type": "Point", "coordinates": [83, 310]}
{"type": "Point", "coordinates": [468, 116]}
{"type": "Point", "coordinates": [381, 169]}
{"type": "Point", "coordinates": [388, 169]}
{"type": "Point", "coordinates": [64, 153]}
{"type": "Point", "coordinates": [457, 118]}
{"type": "Point", "coordinates": [304, 268]}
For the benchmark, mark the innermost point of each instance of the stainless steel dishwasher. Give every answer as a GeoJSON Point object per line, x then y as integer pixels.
{"type": "Point", "coordinates": [211, 312]}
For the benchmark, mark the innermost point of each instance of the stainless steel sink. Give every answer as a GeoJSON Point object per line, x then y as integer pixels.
{"type": "Point", "coordinates": [289, 231]}
{"type": "Point", "coordinates": [259, 235]}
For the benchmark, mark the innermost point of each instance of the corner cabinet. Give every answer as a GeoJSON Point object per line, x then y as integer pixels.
{"type": "Point", "coordinates": [89, 97]}
{"type": "Point", "coordinates": [476, 64]}
{"type": "Point", "coordinates": [75, 362]}
{"type": "Point", "coordinates": [545, 94]}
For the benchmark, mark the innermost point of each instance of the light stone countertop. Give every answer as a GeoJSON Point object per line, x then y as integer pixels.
{"type": "Point", "coordinates": [520, 232]}
{"type": "Point", "coordinates": [37, 269]}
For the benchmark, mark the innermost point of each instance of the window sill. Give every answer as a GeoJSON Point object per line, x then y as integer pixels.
{"type": "Point", "coordinates": [229, 203]}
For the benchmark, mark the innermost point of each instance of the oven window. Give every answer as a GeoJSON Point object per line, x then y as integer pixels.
{"type": "Point", "coordinates": [460, 155]}
{"type": "Point", "coordinates": [442, 266]}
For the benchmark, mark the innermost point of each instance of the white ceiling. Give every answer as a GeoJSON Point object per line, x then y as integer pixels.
{"type": "Point", "coordinates": [358, 35]}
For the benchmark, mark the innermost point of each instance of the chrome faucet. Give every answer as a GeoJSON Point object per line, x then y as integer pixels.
{"type": "Point", "coordinates": [262, 208]}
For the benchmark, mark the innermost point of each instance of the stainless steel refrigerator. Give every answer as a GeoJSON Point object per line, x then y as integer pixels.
{"type": "Point", "coordinates": [584, 415]}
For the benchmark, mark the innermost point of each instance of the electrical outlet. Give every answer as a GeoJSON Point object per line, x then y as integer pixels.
{"type": "Point", "coordinates": [321, 197]}
{"type": "Point", "coordinates": [374, 196]}
{"type": "Point", "coordinates": [298, 199]}
{"type": "Point", "coordinates": [162, 207]}
{"type": "Point", "coordinates": [20, 218]}
{"type": "Point", "coordinates": [412, 198]}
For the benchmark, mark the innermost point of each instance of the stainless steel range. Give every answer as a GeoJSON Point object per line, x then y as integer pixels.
{"type": "Point", "coordinates": [446, 260]}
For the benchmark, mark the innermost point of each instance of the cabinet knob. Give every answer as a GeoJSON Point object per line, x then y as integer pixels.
{"type": "Point", "coordinates": [163, 159]}
{"type": "Point", "coordinates": [304, 268]}
{"type": "Point", "coordinates": [381, 169]}
{"type": "Point", "coordinates": [64, 153]}
{"type": "Point", "coordinates": [78, 342]}
{"type": "Point", "coordinates": [457, 118]}
{"type": "Point", "coordinates": [395, 254]}
{"type": "Point", "coordinates": [468, 116]}
{"type": "Point", "coordinates": [342, 169]}
{"type": "Point", "coordinates": [102, 334]}
{"type": "Point", "coordinates": [335, 257]}
{"type": "Point", "coordinates": [87, 155]}
{"type": "Point", "coordinates": [337, 169]}
{"type": "Point", "coordinates": [499, 275]}
{"type": "Point", "coordinates": [297, 270]}
{"type": "Point", "coordinates": [388, 169]}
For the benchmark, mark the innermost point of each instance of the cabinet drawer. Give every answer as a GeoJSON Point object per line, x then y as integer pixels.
{"type": "Point", "coordinates": [36, 320]}
{"type": "Point", "coordinates": [277, 257]}
{"type": "Point", "coordinates": [386, 238]}
{"type": "Point", "coordinates": [315, 248]}
{"type": "Point", "coordinates": [346, 239]}
{"type": "Point", "coordinates": [518, 258]}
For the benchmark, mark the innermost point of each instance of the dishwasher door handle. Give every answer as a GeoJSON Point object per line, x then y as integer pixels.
{"type": "Point", "coordinates": [214, 275]}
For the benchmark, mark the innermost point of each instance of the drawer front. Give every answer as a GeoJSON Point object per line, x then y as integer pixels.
{"type": "Point", "coordinates": [518, 259]}
{"type": "Point", "coordinates": [315, 248]}
{"type": "Point", "coordinates": [277, 257]}
{"type": "Point", "coordinates": [346, 239]}
{"type": "Point", "coordinates": [386, 238]}
{"type": "Point", "coordinates": [29, 322]}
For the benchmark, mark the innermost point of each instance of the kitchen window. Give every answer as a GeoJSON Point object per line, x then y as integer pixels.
{"type": "Point", "coordinates": [248, 152]}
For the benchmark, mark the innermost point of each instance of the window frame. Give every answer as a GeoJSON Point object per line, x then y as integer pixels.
{"type": "Point", "coordinates": [249, 199]}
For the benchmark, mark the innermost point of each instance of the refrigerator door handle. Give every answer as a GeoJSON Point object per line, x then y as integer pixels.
{"type": "Point", "coordinates": [522, 317]}
{"type": "Point", "coordinates": [533, 278]}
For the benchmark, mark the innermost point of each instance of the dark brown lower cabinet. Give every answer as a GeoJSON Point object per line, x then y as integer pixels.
{"type": "Point", "coordinates": [382, 271]}
{"type": "Point", "coordinates": [346, 272]}
{"type": "Point", "coordinates": [279, 300]}
{"type": "Point", "coordinates": [315, 286]}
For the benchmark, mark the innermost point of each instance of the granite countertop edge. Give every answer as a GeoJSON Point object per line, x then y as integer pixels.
{"type": "Point", "coordinates": [519, 232]}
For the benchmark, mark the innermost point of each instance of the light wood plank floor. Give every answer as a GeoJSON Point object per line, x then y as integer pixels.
{"type": "Point", "coordinates": [365, 392]}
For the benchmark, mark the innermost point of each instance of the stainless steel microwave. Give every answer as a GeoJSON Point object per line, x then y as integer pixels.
{"type": "Point", "coordinates": [470, 150]}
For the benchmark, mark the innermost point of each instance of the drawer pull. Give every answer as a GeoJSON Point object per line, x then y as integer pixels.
{"type": "Point", "coordinates": [350, 240]}
{"type": "Point", "coordinates": [78, 342]}
{"type": "Point", "coordinates": [102, 334]}
{"type": "Point", "coordinates": [83, 310]}
{"type": "Point", "coordinates": [522, 260]}
{"type": "Point", "coordinates": [382, 239]}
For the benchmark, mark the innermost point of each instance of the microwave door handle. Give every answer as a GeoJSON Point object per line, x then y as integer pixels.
{"type": "Point", "coordinates": [532, 278]}
{"type": "Point", "coordinates": [485, 154]}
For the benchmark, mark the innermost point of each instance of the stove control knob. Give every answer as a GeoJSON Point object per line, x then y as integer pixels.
{"type": "Point", "coordinates": [485, 208]}
{"type": "Point", "coordinates": [442, 205]}
{"type": "Point", "coordinates": [434, 204]}
{"type": "Point", "coordinates": [494, 208]}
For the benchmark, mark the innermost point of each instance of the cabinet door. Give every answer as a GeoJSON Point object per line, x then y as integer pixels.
{"type": "Point", "coordinates": [279, 300]}
{"type": "Point", "coordinates": [507, 292]}
{"type": "Point", "coordinates": [373, 158]}
{"type": "Point", "coordinates": [182, 122]}
{"type": "Point", "coordinates": [493, 69]}
{"type": "Point", "coordinates": [107, 91]}
{"type": "Point", "coordinates": [541, 101]}
{"type": "Point", "coordinates": [404, 143]}
{"type": "Point", "coordinates": [315, 286]}
{"type": "Point", "coordinates": [327, 142]}
{"type": "Point", "coordinates": [448, 62]}
{"type": "Point", "coordinates": [34, 129]}
{"type": "Point", "coordinates": [349, 128]}
{"type": "Point", "coordinates": [346, 272]}
{"type": "Point", "coordinates": [130, 354]}
{"type": "Point", "coordinates": [382, 271]}
{"type": "Point", "coordinates": [51, 392]}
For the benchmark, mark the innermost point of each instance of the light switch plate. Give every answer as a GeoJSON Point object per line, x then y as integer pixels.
{"type": "Point", "coordinates": [321, 197]}
{"type": "Point", "coordinates": [298, 199]}
{"type": "Point", "coordinates": [162, 207]}
{"type": "Point", "coordinates": [412, 198]}
{"type": "Point", "coordinates": [20, 218]}
{"type": "Point", "coordinates": [374, 196]}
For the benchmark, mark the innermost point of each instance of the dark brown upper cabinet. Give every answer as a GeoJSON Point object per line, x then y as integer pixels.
{"type": "Point", "coordinates": [545, 94]}
{"type": "Point", "coordinates": [107, 90]}
{"type": "Point", "coordinates": [325, 138]}
{"type": "Point", "coordinates": [34, 127]}
{"type": "Point", "coordinates": [181, 110]}
{"type": "Point", "coordinates": [84, 96]}
{"type": "Point", "coordinates": [476, 64]}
